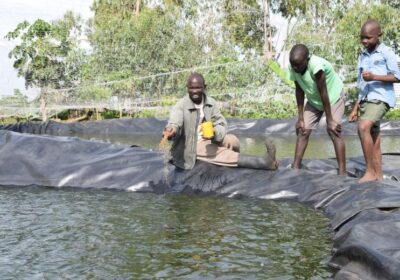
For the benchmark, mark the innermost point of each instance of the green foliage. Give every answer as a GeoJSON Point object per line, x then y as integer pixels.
{"type": "Point", "coordinates": [63, 115]}
{"type": "Point", "coordinates": [316, 29]}
{"type": "Point", "coordinates": [11, 103]}
{"type": "Point", "coordinates": [279, 72]}
{"type": "Point", "coordinates": [146, 114]}
{"type": "Point", "coordinates": [93, 93]}
{"type": "Point", "coordinates": [290, 8]}
{"type": "Point", "coordinates": [139, 45]}
{"type": "Point", "coordinates": [17, 99]}
{"type": "Point", "coordinates": [349, 29]}
{"type": "Point", "coordinates": [352, 97]}
{"type": "Point", "coordinates": [243, 24]}
{"type": "Point", "coordinates": [75, 66]}
{"type": "Point", "coordinates": [317, 13]}
{"type": "Point", "coordinates": [331, 30]}
{"type": "Point", "coordinates": [13, 120]}
{"type": "Point", "coordinates": [40, 56]}
{"type": "Point", "coordinates": [238, 75]}
{"type": "Point", "coordinates": [143, 55]}
{"type": "Point", "coordinates": [168, 102]}
{"type": "Point", "coordinates": [110, 114]}
{"type": "Point", "coordinates": [393, 115]}
{"type": "Point", "coordinates": [395, 4]}
{"type": "Point", "coordinates": [282, 108]}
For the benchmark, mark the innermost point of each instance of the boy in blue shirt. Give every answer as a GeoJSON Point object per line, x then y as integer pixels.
{"type": "Point", "coordinates": [377, 71]}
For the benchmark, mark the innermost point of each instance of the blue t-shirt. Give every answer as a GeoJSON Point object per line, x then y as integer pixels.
{"type": "Point", "coordinates": [382, 61]}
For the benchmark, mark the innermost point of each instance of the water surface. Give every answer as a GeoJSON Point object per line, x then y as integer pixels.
{"type": "Point", "coordinates": [94, 234]}
{"type": "Point", "coordinates": [48, 233]}
{"type": "Point", "coordinates": [319, 147]}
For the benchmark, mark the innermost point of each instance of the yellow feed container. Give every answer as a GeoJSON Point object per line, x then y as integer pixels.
{"type": "Point", "coordinates": [208, 130]}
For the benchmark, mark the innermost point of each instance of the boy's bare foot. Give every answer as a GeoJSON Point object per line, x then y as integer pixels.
{"type": "Point", "coordinates": [342, 173]}
{"type": "Point", "coordinates": [367, 178]}
{"type": "Point", "coordinates": [293, 166]}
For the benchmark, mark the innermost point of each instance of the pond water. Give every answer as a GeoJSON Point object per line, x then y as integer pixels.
{"type": "Point", "coordinates": [319, 147]}
{"type": "Point", "coordinates": [95, 234]}
{"type": "Point", "coordinates": [48, 233]}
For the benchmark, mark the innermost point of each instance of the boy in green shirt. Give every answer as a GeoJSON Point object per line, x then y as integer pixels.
{"type": "Point", "coordinates": [316, 79]}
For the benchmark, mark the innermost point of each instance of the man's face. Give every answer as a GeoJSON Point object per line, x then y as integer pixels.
{"type": "Point", "coordinates": [369, 37]}
{"type": "Point", "coordinates": [195, 88]}
{"type": "Point", "coordinates": [299, 65]}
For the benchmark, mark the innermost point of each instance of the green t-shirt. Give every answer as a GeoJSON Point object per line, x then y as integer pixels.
{"type": "Point", "coordinates": [308, 84]}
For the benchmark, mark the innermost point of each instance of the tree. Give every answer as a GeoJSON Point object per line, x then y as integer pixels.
{"type": "Point", "coordinates": [315, 22]}
{"type": "Point", "coordinates": [331, 29]}
{"type": "Point", "coordinates": [17, 99]}
{"type": "Point", "coordinates": [316, 26]}
{"type": "Point", "coordinates": [246, 25]}
{"type": "Point", "coordinates": [41, 54]}
{"type": "Point", "coordinates": [350, 25]}
{"type": "Point", "coordinates": [127, 46]}
{"type": "Point", "coordinates": [392, 3]}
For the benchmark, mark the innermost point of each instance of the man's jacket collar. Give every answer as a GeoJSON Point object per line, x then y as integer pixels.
{"type": "Point", "coordinates": [189, 104]}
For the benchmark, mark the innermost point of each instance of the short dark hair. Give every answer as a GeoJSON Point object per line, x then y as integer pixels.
{"type": "Point", "coordinates": [374, 23]}
{"type": "Point", "coordinates": [196, 75]}
{"type": "Point", "coordinates": [299, 50]}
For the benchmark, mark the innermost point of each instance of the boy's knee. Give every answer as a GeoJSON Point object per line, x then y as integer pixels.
{"type": "Point", "coordinates": [304, 134]}
{"type": "Point", "coordinates": [332, 135]}
{"type": "Point", "coordinates": [364, 127]}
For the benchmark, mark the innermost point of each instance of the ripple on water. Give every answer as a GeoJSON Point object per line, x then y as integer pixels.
{"type": "Point", "coordinates": [48, 233]}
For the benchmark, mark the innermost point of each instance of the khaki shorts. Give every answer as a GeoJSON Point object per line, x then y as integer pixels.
{"type": "Point", "coordinates": [312, 116]}
{"type": "Point", "coordinates": [373, 110]}
{"type": "Point", "coordinates": [225, 153]}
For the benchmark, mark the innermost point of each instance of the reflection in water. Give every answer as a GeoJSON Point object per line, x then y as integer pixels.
{"type": "Point", "coordinates": [165, 147]}
{"type": "Point", "coordinates": [96, 234]}
{"type": "Point", "coordinates": [319, 147]}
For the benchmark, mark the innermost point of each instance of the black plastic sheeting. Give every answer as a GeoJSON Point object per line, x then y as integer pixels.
{"type": "Point", "coordinates": [146, 126]}
{"type": "Point", "coordinates": [364, 218]}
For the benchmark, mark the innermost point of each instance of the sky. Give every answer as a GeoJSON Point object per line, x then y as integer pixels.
{"type": "Point", "coordinates": [13, 12]}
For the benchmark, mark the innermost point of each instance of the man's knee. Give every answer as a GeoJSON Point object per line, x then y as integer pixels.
{"type": "Point", "coordinates": [231, 142]}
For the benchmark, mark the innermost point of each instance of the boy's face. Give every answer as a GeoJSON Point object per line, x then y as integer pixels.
{"type": "Point", "coordinates": [195, 88]}
{"type": "Point", "coordinates": [299, 65]}
{"type": "Point", "coordinates": [370, 37]}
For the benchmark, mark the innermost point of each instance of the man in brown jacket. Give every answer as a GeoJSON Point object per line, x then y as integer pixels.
{"type": "Point", "coordinates": [184, 128]}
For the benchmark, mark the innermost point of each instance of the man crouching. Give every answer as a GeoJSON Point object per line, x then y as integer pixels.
{"type": "Point", "coordinates": [189, 128]}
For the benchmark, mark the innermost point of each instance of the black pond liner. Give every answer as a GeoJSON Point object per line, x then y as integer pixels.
{"type": "Point", "coordinates": [364, 218]}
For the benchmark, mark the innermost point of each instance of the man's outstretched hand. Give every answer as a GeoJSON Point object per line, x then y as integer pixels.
{"type": "Point", "coordinates": [168, 133]}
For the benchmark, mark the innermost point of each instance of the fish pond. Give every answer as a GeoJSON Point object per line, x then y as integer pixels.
{"type": "Point", "coordinates": [48, 233]}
